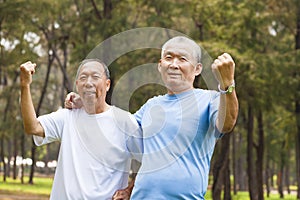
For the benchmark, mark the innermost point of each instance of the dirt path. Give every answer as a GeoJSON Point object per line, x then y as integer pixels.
{"type": "Point", "coordinates": [18, 196]}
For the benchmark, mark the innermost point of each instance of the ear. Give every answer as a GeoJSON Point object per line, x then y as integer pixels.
{"type": "Point", "coordinates": [107, 84]}
{"type": "Point", "coordinates": [159, 65]}
{"type": "Point", "coordinates": [76, 87]}
{"type": "Point", "coordinates": [198, 69]}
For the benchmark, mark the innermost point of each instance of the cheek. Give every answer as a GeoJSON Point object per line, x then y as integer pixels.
{"type": "Point", "coordinates": [101, 87]}
{"type": "Point", "coordinates": [188, 74]}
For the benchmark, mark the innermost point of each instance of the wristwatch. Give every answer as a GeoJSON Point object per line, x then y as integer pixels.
{"type": "Point", "coordinates": [229, 89]}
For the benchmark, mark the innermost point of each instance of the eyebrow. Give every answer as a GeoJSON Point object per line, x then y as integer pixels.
{"type": "Point", "coordinates": [166, 52]}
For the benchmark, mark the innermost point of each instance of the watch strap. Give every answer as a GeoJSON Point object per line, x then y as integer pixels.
{"type": "Point", "coordinates": [229, 90]}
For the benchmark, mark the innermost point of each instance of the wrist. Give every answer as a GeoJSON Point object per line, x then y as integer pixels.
{"type": "Point", "coordinates": [228, 88]}
{"type": "Point", "coordinates": [25, 86]}
{"type": "Point", "coordinates": [225, 84]}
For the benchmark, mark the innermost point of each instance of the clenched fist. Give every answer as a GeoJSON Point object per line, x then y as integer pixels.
{"type": "Point", "coordinates": [223, 68]}
{"type": "Point", "coordinates": [27, 69]}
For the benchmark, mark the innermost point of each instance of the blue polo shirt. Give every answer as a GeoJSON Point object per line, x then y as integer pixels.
{"type": "Point", "coordinates": [179, 136]}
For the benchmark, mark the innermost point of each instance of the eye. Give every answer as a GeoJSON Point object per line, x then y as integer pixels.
{"type": "Point", "coordinates": [82, 78]}
{"type": "Point", "coordinates": [168, 57]}
{"type": "Point", "coordinates": [183, 59]}
{"type": "Point", "coordinates": [96, 76]}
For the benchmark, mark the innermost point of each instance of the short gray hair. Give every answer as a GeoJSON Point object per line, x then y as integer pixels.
{"type": "Point", "coordinates": [106, 71]}
{"type": "Point", "coordinates": [182, 39]}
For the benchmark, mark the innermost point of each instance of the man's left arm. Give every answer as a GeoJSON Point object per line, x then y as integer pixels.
{"type": "Point", "coordinates": [223, 68]}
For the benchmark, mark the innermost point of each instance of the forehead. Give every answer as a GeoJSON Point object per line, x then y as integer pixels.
{"type": "Point", "coordinates": [91, 67]}
{"type": "Point", "coordinates": [182, 49]}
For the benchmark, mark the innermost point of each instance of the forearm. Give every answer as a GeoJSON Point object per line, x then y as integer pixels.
{"type": "Point", "coordinates": [31, 124]}
{"type": "Point", "coordinates": [228, 112]}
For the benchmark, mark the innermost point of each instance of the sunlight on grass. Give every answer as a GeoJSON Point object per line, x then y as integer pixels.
{"type": "Point", "coordinates": [245, 196]}
{"type": "Point", "coordinates": [40, 186]}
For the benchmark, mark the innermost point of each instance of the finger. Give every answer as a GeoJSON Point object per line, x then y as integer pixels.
{"type": "Point", "coordinates": [69, 105]}
{"type": "Point", "coordinates": [121, 195]}
{"type": "Point", "coordinates": [216, 63]}
{"type": "Point", "coordinates": [28, 66]}
{"type": "Point", "coordinates": [75, 96]}
{"type": "Point", "coordinates": [227, 56]}
{"type": "Point", "coordinates": [69, 97]}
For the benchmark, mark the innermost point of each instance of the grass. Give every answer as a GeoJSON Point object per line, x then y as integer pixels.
{"type": "Point", "coordinates": [245, 196]}
{"type": "Point", "coordinates": [41, 186]}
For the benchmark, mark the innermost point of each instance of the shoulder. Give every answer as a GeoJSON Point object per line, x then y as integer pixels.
{"type": "Point", "coordinates": [118, 111]}
{"type": "Point", "coordinates": [61, 112]}
{"type": "Point", "coordinates": [125, 121]}
{"type": "Point", "coordinates": [122, 116]}
{"type": "Point", "coordinates": [155, 99]}
{"type": "Point", "coordinates": [209, 94]}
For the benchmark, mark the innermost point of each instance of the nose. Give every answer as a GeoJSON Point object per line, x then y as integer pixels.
{"type": "Point", "coordinates": [175, 63]}
{"type": "Point", "coordinates": [89, 81]}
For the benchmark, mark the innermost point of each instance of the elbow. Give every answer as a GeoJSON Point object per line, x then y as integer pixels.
{"type": "Point", "coordinates": [29, 131]}
{"type": "Point", "coordinates": [229, 125]}
{"type": "Point", "coordinates": [228, 129]}
{"type": "Point", "coordinates": [34, 130]}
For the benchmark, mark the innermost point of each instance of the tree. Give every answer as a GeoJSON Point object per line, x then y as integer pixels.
{"type": "Point", "coordinates": [297, 97]}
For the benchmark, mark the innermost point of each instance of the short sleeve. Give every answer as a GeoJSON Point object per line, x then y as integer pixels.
{"type": "Point", "coordinates": [53, 125]}
{"type": "Point", "coordinates": [134, 142]}
{"type": "Point", "coordinates": [213, 112]}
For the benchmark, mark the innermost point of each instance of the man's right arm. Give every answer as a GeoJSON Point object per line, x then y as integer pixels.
{"type": "Point", "coordinates": [31, 124]}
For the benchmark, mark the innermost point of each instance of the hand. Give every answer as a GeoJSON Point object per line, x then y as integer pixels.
{"type": "Point", "coordinates": [73, 101]}
{"type": "Point", "coordinates": [26, 69]}
{"type": "Point", "coordinates": [122, 194]}
{"type": "Point", "coordinates": [223, 68]}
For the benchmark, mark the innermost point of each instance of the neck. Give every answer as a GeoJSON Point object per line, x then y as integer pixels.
{"type": "Point", "coordinates": [96, 109]}
{"type": "Point", "coordinates": [172, 92]}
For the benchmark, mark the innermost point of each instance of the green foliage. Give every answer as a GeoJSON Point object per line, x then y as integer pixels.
{"type": "Point", "coordinates": [260, 35]}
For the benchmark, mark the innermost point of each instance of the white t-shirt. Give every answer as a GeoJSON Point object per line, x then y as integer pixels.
{"type": "Point", "coordinates": [95, 152]}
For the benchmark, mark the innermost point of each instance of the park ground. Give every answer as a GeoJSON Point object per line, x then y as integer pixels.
{"type": "Point", "coordinates": [8, 195]}
{"type": "Point", "coordinates": [14, 190]}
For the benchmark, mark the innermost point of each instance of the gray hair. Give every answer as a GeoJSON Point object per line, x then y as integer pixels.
{"type": "Point", "coordinates": [106, 71]}
{"type": "Point", "coordinates": [193, 45]}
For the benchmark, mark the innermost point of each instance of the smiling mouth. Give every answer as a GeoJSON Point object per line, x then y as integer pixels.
{"type": "Point", "coordinates": [88, 93]}
{"type": "Point", "coordinates": [174, 75]}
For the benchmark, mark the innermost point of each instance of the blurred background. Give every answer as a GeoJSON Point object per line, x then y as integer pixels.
{"type": "Point", "coordinates": [263, 153]}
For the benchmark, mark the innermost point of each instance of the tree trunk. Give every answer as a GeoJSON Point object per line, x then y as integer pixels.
{"type": "Point", "coordinates": [260, 156]}
{"type": "Point", "coordinates": [32, 167]}
{"type": "Point", "coordinates": [250, 162]}
{"type": "Point", "coordinates": [268, 174]}
{"type": "Point", "coordinates": [9, 156]}
{"type": "Point", "coordinates": [108, 7]}
{"type": "Point", "coordinates": [234, 169]}
{"type": "Point", "coordinates": [220, 168]}
{"type": "Point", "coordinates": [227, 184]}
{"type": "Point", "coordinates": [297, 110]}
{"type": "Point", "coordinates": [297, 105]}
{"type": "Point", "coordinates": [2, 158]}
{"type": "Point", "coordinates": [279, 183]}
{"type": "Point", "coordinates": [298, 147]}
{"type": "Point", "coordinates": [241, 175]}
{"type": "Point", "coordinates": [280, 174]}
{"type": "Point", "coordinates": [23, 156]}
{"type": "Point", "coordinates": [15, 142]}
{"type": "Point", "coordinates": [287, 174]}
